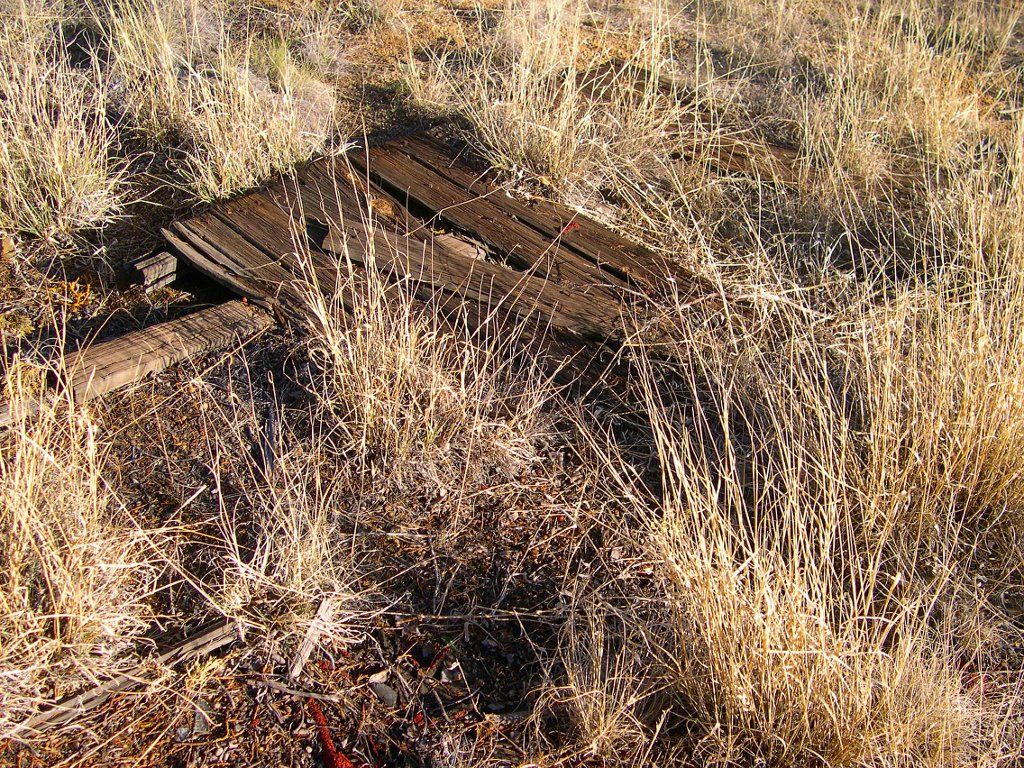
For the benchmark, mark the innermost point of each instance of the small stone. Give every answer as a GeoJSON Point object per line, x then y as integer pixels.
{"type": "Point", "coordinates": [388, 696]}
{"type": "Point", "coordinates": [201, 723]}
{"type": "Point", "coordinates": [453, 674]}
{"type": "Point", "coordinates": [203, 719]}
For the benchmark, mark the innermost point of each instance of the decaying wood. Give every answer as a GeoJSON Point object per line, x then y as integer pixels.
{"type": "Point", "coordinates": [206, 640]}
{"type": "Point", "coordinates": [618, 259]}
{"type": "Point", "coordinates": [154, 271]}
{"type": "Point", "coordinates": [101, 368]}
{"type": "Point", "coordinates": [413, 210]}
{"type": "Point", "coordinates": [317, 626]}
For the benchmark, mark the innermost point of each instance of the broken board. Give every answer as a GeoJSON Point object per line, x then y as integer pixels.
{"type": "Point", "coordinates": [97, 369]}
{"type": "Point", "coordinates": [416, 211]}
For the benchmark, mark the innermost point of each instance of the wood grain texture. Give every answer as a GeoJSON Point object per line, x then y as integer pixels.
{"type": "Point", "coordinates": [100, 368]}
{"type": "Point", "coordinates": [104, 367]}
{"type": "Point", "coordinates": [203, 641]}
{"type": "Point", "coordinates": [154, 271]}
{"type": "Point", "coordinates": [413, 210]}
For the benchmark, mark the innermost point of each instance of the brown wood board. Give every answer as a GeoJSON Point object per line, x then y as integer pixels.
{"type": "Point", "coordinates": [97, 369]}
{"type": "Point", "coordinates": [449, 233]}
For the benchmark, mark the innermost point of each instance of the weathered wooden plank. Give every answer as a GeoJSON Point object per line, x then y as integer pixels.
{"type": "Point", "coordinates": [208, 260]}
{"type": "Point", "coordinates": [154, 271]}
{"type": "Point", "coordinates": [100, 368]}
{"type": "Point", "coordinates": [751, 157]}
{"type": "Point", "coordinates": [231, 258]}
{"type": "Point", "coordinates": [335, 187]}
{"type": "Point", "coordinates": [522, 246]}
{"type": "Point", "coordinates": [319, 193]}
{"type": "Point", "coordinates": [439, 263]}
{"type": "Point", "coordinates": [584, 236]}
{"type": "Point", "coordinates": [434, 265]}
{"type": "Point", "coordinates": [285, 234]}
{"type": "Point", "coordinates": [210, 638]}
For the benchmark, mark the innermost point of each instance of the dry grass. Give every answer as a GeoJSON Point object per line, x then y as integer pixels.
{"type": "Point", "coordinates": [913, 92]}
{"type": "Point", "coordinates": [77, 571]}
{"type": "Point", "coordinates": [788, 551]}
{"type": "Point", "coordinates": [56, 145]}
{"type": "Point", "coordinates": [277, 550]}
{"type": "Point", "coordinates": [234, 105]}
{"type": "Point", "coordinates": [839, 474]}
{"type": "Point", "coordinates": [814, 553]}
{"type": "Point", "coordinates": [542, 102]}
{"type": "Point", "coordinates": [419, 403]}
{"type": "Point", "coordinates": [402, 412]}
{"type": "Point", "coordinates": [943, 396]}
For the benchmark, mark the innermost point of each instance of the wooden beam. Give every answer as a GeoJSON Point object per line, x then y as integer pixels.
{"type": "Point", "coordinates": [101, 368]}
{"type": "Point", "coordinates": [154, 271]}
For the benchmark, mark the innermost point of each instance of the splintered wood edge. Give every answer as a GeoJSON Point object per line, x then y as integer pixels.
{"type": "Point", "coordinates": [153, 271]}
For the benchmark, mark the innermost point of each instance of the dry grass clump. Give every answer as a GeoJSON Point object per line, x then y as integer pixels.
{"type": "Point", "coordinates": [978, 219]}
{"type": "Point", "coordinates": [904, 99]}
{"type": "Point", "coordinates": [75, 575]}
{"type": "Point", "coordinates": [279, 549]}
{"type": "Point", "coordinates": [945, 401]}
{"type": "Point", "coordinates": [541, 103]}
{"type": "Point", "coordinates": [235, 106]}
{"type": "Point", "coordinates": [59, 172]}
{"type": "Point", "coordinates": [828, 506]}
{"type": "Point", "coordinates": [602, 109]}
{"type": "Point", "coordinates": [404, 418]}
{"type": "Point", "coordinates": [891, 107]}
{"type": "Point", "coordinates": [889, 101]}
{"type": "Point", "coordinates": [786, 637]}
{"type": "Point", "coordinates": [610, 686]}
{"type": "Point", "coordinates": [416, 402]}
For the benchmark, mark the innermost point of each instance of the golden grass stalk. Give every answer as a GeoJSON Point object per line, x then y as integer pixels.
{"type": "Point", "coordinates": [545, 100]}
{"type": "Point", "coordinates": [60, 175]}
{"type": "Point", "coordinates": [234, 106]}
{"type": "Point", "coordinates": [75, 569]}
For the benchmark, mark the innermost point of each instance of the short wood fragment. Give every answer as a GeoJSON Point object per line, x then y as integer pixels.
{"type": "Point", "coordinates": [316, 628]}
{"type": "Point", "coordinates": [101, 368]}
{"type": "Point", "coordinates": [154, 271]}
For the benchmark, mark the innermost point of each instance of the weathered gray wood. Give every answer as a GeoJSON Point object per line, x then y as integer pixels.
{"type": "Point", "coordinates": [206, 640]}
{"type": "Point", "coordinates": [435, 266]}
{"type": "Point", "coordinates": [318, 625]}
{"type": "Point", "coordinates": [154, 271]}
{"type": "Point", "coordinates": [416, 213]}
{"type": "Point", "coordinates": [582, 235]}
{"type": "Point", "coordinates": [484, 218]}
{"type": "Point", "coordinates": [101, 368]}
